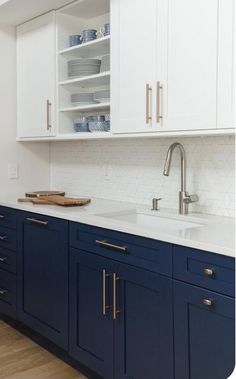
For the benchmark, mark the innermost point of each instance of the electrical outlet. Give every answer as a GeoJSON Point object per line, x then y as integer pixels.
{"type": "Point", "coordinates": [12, 170]}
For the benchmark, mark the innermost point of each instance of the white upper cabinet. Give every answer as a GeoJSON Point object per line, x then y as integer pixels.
{"type": "Point", "coordinates": [187, 64]}
{"type": "Point", "coordinates": [183, 49]}
{"type": "Point", "coordinates": [226, 65]}
{"type": "Point", "coordinates": [133, 57]}
{"type": "Point", "coordinates": [36, 73]}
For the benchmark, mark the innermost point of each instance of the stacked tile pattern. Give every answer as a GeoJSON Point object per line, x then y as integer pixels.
{"type": "Point", "coordinates": [132, 170]}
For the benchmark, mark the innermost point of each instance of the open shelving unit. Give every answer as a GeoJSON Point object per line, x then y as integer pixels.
{"type": "Point", "coordinates": [73, 19]}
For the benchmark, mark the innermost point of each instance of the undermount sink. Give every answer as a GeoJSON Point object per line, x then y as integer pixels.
{"type": "Point", "coordinates": [159, 222]}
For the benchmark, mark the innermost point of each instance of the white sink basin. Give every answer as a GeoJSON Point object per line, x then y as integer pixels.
{"type": "Point", "coordinates": [158, 222]}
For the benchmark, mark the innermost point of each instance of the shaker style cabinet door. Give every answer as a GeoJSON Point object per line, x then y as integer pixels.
{"type": "Point", "coordinates": [91, 325]}
{"type": "Point", "coordinates": [226, 65]}
{"type": "Point", "coordinates": [204, 333]}
{"type": "Point", "coordinates": [133, 64]}
{"type": "Point", "coordinates": [43, 276]}
{"type": "Point", "coordinates": [187, 46]}
{"type": "Point", "coordinates": [142, 307]}
{"type": "Point", "coordinates": [36, 75]}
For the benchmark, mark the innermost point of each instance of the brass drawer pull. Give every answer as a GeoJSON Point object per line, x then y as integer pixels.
{"type": "Point", "coordinates": [3, 238]}
{"type": "Point", "coordinates": [3, 292]}
{"type": "Point", "coordinates": [3, 259]}
{"type": "Point", "coordinates": [38, 222]}
{"type": "Point", "coordinates": [115, 311]}
{"type": "Point", "coordinates": [104, 305]}
{"type": "Point", "coordinates": [111, 246]}
{"type": "Point", "coordinates": [208, 302]}
{"type": "Point", "coordinates": [208, 272]}
{"type": "Point", "coordinates": [2, 217]}
{"type": "Point", "coordinates": [159, 117]}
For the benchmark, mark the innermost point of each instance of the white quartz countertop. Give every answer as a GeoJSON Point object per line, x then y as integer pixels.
{"type": "Point", "coordinates": [216, 233]}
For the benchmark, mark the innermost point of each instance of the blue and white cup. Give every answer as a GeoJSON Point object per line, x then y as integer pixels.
{"type": "Point", "coordinates": [89, 35]}
{"type": "Point", "coordinates": [105, 30]}
{"type": "Point", "coordinates": [75, 39]}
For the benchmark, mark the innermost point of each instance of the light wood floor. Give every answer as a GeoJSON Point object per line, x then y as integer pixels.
{"type": "Point", "coordinates": [21, 358]}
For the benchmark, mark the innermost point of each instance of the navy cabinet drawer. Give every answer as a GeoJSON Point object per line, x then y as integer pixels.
{"type": "Point", "coordinates": [8, 238]}
{"type": "Point", "coordinates": [7, 260]}
{"type": "Point", "coordinates": [7, 217]}
{"type": "Point", "coordinates": [208, 270]}
{"type": "Point", "coordinates": [137, 251]}
{"type": "Point", "coordinates": [7, 293]}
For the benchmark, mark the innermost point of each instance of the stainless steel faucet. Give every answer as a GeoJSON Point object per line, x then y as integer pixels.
{"type": "Point", "coordinates": [184, 198]}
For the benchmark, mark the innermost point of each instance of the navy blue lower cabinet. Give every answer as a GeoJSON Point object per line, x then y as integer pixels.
{"type": "Point", "coordinates": [143, 324]}
{"type": "Point", "coordinates": [121, 319]}
{"type": "Point", "coordinates": [91, 325]}
{"type": "Point", "coordinates": [43, 276]}
{"type": "Point", "coordinates": [204, 333]}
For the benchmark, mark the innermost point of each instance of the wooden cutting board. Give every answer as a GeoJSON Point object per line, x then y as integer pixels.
{"type": "Point", "coordinates": [57, 200]}
{"type": "Point", "coordinates": [44, 193]}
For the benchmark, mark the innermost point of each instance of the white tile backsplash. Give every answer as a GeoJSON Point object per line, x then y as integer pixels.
{"type": "Point", "coordinates": [132, 170]}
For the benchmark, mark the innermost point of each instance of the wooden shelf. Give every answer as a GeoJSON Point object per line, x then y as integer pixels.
{"type": "Point", "coordinates": [93, 80]}
{"type": "Point", "coordinates": [98, 47]}
{"type": "Point", "coordinates": [89, 107]}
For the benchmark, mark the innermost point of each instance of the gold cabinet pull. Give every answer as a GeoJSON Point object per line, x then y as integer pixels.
{"type": "Point", "coordinates": [3, 292]}
{"type": "Point", "coordinates": [208, 302]}
{"type": "Point", "coordinates": [148, 104]}
{"type": "Point", "coordinates": [3, 259]}
{"type": "Point", "coordinates": [2, 217]}
{"type": "Point", "coordinates": [104, 290]}
{"type": "Point", "coordinates": [115, 311]}
{"type": "Point", "coordinates": [208, 272]}
{"type": "Point", "coordinates": [108, 245]}
{"type": "Point", "coordinates": [3, 238]}
{"type": "Point", "coordinates": [49, 115]}
{"type": "Point", "coordinates": [158, 115]}
{"type": "Point", "coordinates": [38, 222]}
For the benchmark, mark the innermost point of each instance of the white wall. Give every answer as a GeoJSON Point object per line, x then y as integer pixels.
{"type": "Point", "coordinates": [33, 159]}
{"type": "Point", "coordinates": [131, 170]}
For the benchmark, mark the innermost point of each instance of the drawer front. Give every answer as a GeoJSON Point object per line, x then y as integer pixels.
{"type": "Point", "coordinates": [208, 270]}
{"type": "Point", "coordinates": [137, 251]}
{"type": "Point", "coordinates": [7, 293]}
{"type": "Point", "coordinates": [7, 217]}
{"type": "Point", "coordinates": [7, 260]}
{"type": "Point", "coordinates": [8, 238]}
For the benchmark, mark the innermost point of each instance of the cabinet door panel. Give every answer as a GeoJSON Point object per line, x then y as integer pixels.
{"type": "Point", "coordinates": [187, 51]}
{"type": "Point", "coordinates": [133, 63]}
{"type": "Point", "coordinates": [204, 336]}
{"type": "Point", "coordinates": [36, 73]}
{"type": "Point", "coordinates": [144, 326]}
{"type": "Point", "coordinates": [43, 277]}
{"type": "Point", "coordinates": [91, 332]}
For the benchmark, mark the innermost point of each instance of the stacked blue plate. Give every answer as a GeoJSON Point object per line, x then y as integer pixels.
{"type": "Point", "coordinates": [107, 29]}
{"type": "Point", "coordinates": [81, 125]}
{"type": "Point", "coordinates": [83, 67]}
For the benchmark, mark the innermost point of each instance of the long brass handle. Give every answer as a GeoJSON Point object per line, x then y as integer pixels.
{"type": "Point", "coordinates": [49, 121]}
{"type": "Point", "coordinates": [208, 302]}
{"type": "Point", "coordinates": [158, 115]}
{"type": "Point", "coordinates": [108, 245]}
{"type": "Point", "coordinates": [3, 259]}
{"type": "Point", "coordinates": [38, 222]}
{"type": "Point", "coordinates": [2, 217]}
{"type": "Point", "coordinates": [208, 272]}
{"type": "Point", "coordinates": [3, 292]}
{"type": "Point", "coordinates": [115, 311]}
{"type": "Point", "coordinates": [105, 307]}
{"type": "Point", "coordinates": [3, 238]}
{"type": "Point", "coordinates": [148, 103]}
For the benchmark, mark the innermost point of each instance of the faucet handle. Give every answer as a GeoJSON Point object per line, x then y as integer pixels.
{"type": "Point", "coordinates": [191, 199]}
{"type": "Point", "coordinates": [155, 203]}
